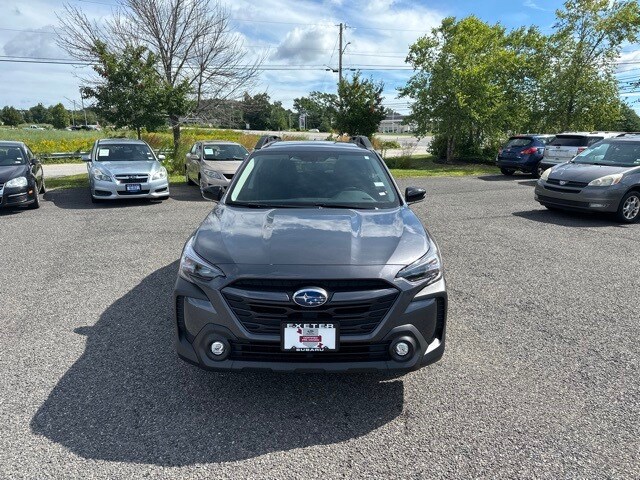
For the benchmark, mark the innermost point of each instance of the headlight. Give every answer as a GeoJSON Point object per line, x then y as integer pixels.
{"type": "Point", "coordinates": [212, 174]}
{"type": "Point", "coordinates": [606, 181]}
{"type": "Point", "coordinates": [102, 176]}
{"type": "Point", "coordinates": [545, 174]}
{"type": "Point", "coordinates": [427, 268]}
{"type": "Point", "coordinates": [17, 182]}
{"type": "Point", "coordinates": [193, 266]}
{"type": "Point", "coordinates": [159, 174]}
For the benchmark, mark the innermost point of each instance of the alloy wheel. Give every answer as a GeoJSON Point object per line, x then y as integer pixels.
{"type": "Point", "coordinates": [631, 207]}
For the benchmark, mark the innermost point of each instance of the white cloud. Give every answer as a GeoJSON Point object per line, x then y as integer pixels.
{"type": "Point", "coordinates": [306, 44]}
{"type": "Point", "coordinates": [534, 5]}
{"type": "Point", "coordinates": [36, 43]}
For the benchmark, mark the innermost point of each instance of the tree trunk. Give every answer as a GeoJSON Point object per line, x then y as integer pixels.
{"type": "Point", "coordinates": [450, 148]}
{"type": "Point", "coordinates": [138, 131]}
{"type": "Point", "coordinates": [175, 127]}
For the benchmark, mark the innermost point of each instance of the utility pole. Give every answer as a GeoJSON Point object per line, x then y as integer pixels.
{"type": "Point", "coordinates": [340, 56]}
{"type": "Point", "coordinates": [85, 112]}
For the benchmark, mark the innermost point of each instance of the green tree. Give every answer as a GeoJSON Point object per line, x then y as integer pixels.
{"type": "Point", "coordinates": [257, 111]}
{"type": "Point", "coordinates": [40, 114]}
{"type": "Point", "coordinates": [628, 120]}
{"type": "Point", "coordinates": [320, 109]}
{"type": "Point", "coordinates": [360, 109]}
{"type": "Point", "coordinates": [10, 116]}
{"type": "Point", "coordinates": [473, 82]}
{"type": "Point", "coordinates": [59, 116]}
{"type": "Point", "coordinates": [580, 91]}
{"type": "Point", "coordinates": [131, 93]}
{"type": "Point", "coordinates": [279, 118]}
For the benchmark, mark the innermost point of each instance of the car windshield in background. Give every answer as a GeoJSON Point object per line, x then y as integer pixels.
{"type": "Point", "coordinates": [570, 141]}
{"type": "Point", "coordinates": [225, 152]}
{"type": "Point", "coordinates": [618, 154]}
{"type": "Point", "coordinates": [305, 179]}
{"type": "Point", "coordinates": [124, 153]}
{"type": "Point", "coordinates": [10, 156]}
{"type": "Point", "coordinates": [518, 142]}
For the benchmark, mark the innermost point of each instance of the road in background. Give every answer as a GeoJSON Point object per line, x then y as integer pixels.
{"type": "Point", "coordinates": [540, 379]}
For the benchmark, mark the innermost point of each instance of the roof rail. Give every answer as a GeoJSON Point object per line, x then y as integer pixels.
{"type": "Point", "coordinates": [266, 140]}
{"type": "Point", "coordinates": [628, 133]}
{"type": "Point", "coordinates": [362, 141]}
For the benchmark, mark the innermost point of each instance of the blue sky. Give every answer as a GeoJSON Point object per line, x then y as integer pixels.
{"type": "Point", "coordinates": [299, 37]}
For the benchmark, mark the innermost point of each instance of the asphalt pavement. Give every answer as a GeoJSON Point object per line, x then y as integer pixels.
{"type": "Point", "coordinates": [540, 378]}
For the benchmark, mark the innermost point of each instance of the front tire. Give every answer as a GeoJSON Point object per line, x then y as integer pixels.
{"type": "Point", "coordinates": [508, 171]}
{"type": "Point", "coordinates": [629, 209]}
{"type": "Point", "coordinates": [36, 202]}
{"type": "Point", "coordinates": [43, 188]}
{"type": "Point", "coordinates": [539, 170]}
{"type": "Point", "coordinates": [94, 199]}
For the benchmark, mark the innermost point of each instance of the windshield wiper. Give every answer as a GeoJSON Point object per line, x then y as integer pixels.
{"type": "Point", "coordinates": [343, 205]}
{"type": "Point", "coordinates": [260, 205]}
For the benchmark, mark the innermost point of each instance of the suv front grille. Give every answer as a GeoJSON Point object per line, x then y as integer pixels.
{"type": "Point", "coordinates": [262, 305]}
{"type": "Point", "coordinates": [569, 184]}
{"type": "Point", "coordinates": [133, 178]}
{"type": "Point", "coordinates": [271, 352]}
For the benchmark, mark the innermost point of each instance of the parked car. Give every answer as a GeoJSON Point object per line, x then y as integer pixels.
{"type": "Point", "coordinates": [122, 168]}
{"type": "Point", "coordinates": [522, 153]}
{"type": "Point", "coordinates": [312, 260]}
{"type": "Point", "coordinates": [213, 162]}
{"type": "Point", "coordinates": [565, 146]}
{"type": "Point", "coordinates": [605, 178]}
{"type": "Point", "coordinates": [21, 176]}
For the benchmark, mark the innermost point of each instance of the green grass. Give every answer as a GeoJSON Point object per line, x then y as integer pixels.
{"type": "Point", "coordinates": [425, 166]}
{"type": "Point", "coordinates": [82, 180]}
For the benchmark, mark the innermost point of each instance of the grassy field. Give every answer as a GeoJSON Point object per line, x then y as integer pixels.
{"type": "Point", "coordinates": [426, 166]}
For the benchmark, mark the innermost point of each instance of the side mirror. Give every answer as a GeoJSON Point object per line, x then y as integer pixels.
{"type": "Point", "coordinates": [162, 158]}
{"type": "Point", "coordinates": [213, 193]}
{"type": "Point", "coordinates": [414, 194]}
{"type": "Point", "coordinates": [86, 158]}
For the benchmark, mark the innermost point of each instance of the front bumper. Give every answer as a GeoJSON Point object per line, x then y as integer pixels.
{"type": "Point", "coordinates": [117, 190]}
{"type": "Point", "coordinates": [17, 196]}
{"type": "Point", "coordinates": [202, 318]}
{"type": "Point", "coordinates": [599, 199]}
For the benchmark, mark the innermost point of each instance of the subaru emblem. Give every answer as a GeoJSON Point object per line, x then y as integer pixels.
{"type": "Point", "coordinates": [563, 182]}
{"type": "Point", "coordinates": [311, 297]}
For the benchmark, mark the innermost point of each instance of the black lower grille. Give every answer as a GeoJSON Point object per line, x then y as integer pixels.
{"type": "Point", "coordinates": [271, 352]}
{"type": "Point", "coordinates": [139, 192]}
{"type": "Point", "coordinates": [562, 201]}
{"type": "Point", "coordinates": [440, 318]}
{"type": "Point", "coordinates": [564, 190]}
{"type": "Point", "coordinates": [262, 305]}
{"type": "Point", "coordinates": [567, 183]}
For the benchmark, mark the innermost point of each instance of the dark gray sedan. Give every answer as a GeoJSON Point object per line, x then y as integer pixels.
{"type": "Point", "coordinates": [604, 178]}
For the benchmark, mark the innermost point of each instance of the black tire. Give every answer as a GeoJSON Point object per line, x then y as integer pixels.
{"type": "Point", "coordinates": [94, 199]}
{"type": "Point", "coordinates": [539, 170]}
{"type": "Point", "coordinates": [187, 179]}
{"type": "Point", "coordinates": [507, 171]}
{"type": "Point", "coordinates": [552, 208]}
{"type": "Point", "coordinates": [43, 188]}
{"type": "Point", "coordinates": [629, 209]}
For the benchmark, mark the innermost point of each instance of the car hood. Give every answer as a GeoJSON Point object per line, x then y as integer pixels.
{"type": "Point", "coordinates": [581, 172]}
{"type": "Point", "coordinates": [226, 166]}
{"type": "Point", "coordinates": [13, 171]}
{"type": "Point", "coordinates": [117, 168]}
{"type": "Point", "coordinates": [295, 236]}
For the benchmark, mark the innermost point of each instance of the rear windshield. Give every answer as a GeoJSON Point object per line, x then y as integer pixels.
{"type": "Point", "coordinates": [515, 142]}
{"type": "Point", "coordinates": [11, 156]}
{"type": "Point", "coordinates": [570, 141]}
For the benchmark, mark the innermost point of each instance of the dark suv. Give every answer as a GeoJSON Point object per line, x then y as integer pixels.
{"type": "Point", "coordinates": [522, 153]}
{"type": "Point", "coordinates": [311, 261]}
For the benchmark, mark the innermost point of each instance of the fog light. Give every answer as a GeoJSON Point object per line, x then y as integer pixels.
{"type": "Point", "coordinates": [218, 348]}
{"type": "Point", "coordinates": [402, 348]}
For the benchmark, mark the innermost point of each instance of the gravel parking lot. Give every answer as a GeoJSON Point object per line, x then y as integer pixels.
{"type": "Point", "coordinates": [540, 378]}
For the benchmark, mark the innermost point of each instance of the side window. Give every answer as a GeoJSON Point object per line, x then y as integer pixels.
{"type": "Point", "coordinates": [199, 150]}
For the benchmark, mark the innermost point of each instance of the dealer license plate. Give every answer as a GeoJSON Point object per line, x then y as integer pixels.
{"type": "Point", "coordinates": [133, 187]}
{"type": "Point", "coordinates": [310, 337]}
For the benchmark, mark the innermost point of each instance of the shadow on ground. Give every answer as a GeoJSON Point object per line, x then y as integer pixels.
{"type": "Point", "coordinates": [509, 178]}
{"type": "Point", "coordinates": [570, 218]}
{"type": "Point", "coordinates": [79, 199]}
{"type": "Point", "coordinates": [128, 398]}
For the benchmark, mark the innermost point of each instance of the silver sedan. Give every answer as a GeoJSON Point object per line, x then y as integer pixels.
{"type": "Point", "coordinates": [123, 168]}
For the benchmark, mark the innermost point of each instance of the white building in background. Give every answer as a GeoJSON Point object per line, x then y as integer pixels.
{"type": "Point", "coordinates": [392, 123]}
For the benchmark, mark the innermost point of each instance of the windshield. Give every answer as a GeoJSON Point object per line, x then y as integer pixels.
{"type": "Point", "coordinates": [327, 179]}
{"type": "Point", "coordinates": [124, 152]}
{"type": "Point", "coordinates": [10, 156]}
{"type": "Point", "coordinates": [618, 154]}
{"type": "Point", "coordinates": [570, 141]}
{"type": "Point", "coordinates": [225, 152]}
{"type": "Point", "coordinates": [518, 142]}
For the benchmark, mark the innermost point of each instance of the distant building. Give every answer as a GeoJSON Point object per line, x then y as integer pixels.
{"type": "Point", "coordinates": [392, 123]}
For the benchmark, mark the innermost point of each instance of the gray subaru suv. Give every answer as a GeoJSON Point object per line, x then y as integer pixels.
{"type": "Point", "coordinates": [311, 261]}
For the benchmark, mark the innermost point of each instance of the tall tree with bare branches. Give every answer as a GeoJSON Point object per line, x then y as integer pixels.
{"type": "Point", "coordinates": [192, 40]}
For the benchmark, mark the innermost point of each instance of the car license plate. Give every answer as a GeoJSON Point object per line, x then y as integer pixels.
{"type": "Point", "coordinates": [310, 337]}
{"type": "Point", "coordinates": [134, 187]}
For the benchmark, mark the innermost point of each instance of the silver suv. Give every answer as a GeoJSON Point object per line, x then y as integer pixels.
{"type": "Point", "coordinates": [124, 168]}
{"type": "Point", "coordinates": [569, 144]}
